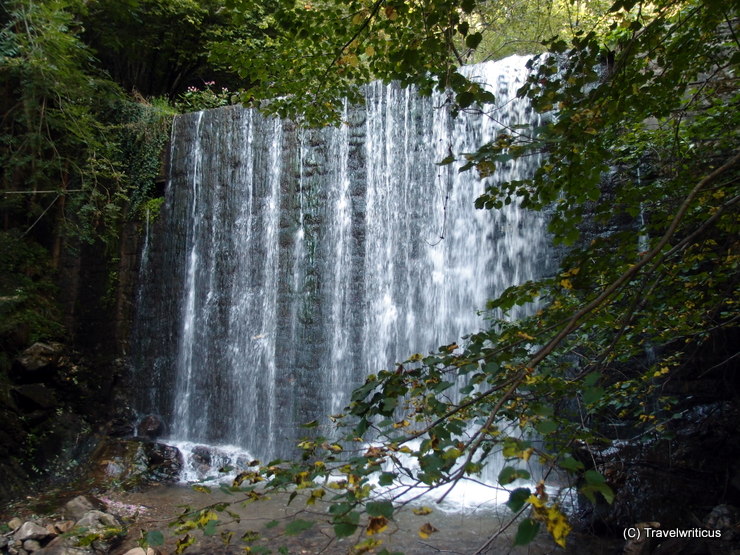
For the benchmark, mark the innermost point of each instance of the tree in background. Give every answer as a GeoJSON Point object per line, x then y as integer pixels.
{"type": "Point", "coordinates": [160, 47]}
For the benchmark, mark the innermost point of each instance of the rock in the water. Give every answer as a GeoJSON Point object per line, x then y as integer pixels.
{"type": "Point", "coordinates": [31, 531]}
{"type": "Point", "coordinates": [202, 455]}
{"type": "Point", "coordinates": [76, 508]}
{"type": "Point", "coordinates": [142, 551]}
{"type": "Point", "coordinates": [151, 426]}
{"type": "Point", "coordinates": [165, 462]}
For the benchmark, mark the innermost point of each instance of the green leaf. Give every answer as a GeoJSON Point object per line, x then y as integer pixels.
{"type": "Point", "coordinates": [526, 531]}
{"type": "Point", "coordinates": [271, 524]}
{"type": "Point", "coordinates": [297, 526]}
{"type": "Point", "coordinates": [517, 498]}
{"type": "Point", "coordinates": [473, 40]}
{"type": "Point", "coordinates": [546, 427]}
{"type": "Point", "coordinates": [154, 538]}
{"type": "Point", "coordinates": [344, 529]}
{"type": "Point", "coordinates": [571, 464]}
{"type": "Point", "coordinates": [593, 394]}
{"type": "Point", "coordinates": [594, 477]}
{"type": "Point", "coordinates": [509, 474]}
{"type": "Point", "coordinates": [386, 478]}
{"type": "Point", "coordinates": [210, 528]}
{"type": "Point", "coordinates": [380, 508]}
{"type": "Point", "coordinates": [465, 98]}
{"type": "Point", "coordinates": [589, 490]}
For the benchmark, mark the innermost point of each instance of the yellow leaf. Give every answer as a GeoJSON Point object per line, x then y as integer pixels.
{"type": "Point", "coordinates": [376, 525]}
{"type": "Point", "coordinates": [366, 546]}
{"type": "Point", "coordinates": [566, 284]}
{"type": "Point", "coordinates": [557, 524]}
{"type": "Point", "coordinates": [421, 511]}
{"type": "Point", "coordinates": [426, 530]}
{"type": "Point", "coordinates": [315, 494]}
{"type": "Point", "coordinates": [370, 51]}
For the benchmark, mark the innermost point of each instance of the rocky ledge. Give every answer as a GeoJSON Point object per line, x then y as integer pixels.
{"type": "Point", "coordinates": [88, 526]}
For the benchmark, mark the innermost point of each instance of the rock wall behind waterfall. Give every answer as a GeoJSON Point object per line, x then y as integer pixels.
{"type": "Point", "coordinates": [290, 263]}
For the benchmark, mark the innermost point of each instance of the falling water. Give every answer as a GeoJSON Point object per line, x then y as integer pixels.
{"type": "Point", "coordinates": [290, 263]}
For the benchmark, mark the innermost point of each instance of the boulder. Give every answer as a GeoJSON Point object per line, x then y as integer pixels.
{"type": "Point", "coordinates": [63, 546]}
{"type": "Point", "coordinates": [31, 545]}
{"type": "Point", "coordinates": [95, 520]}
{"type": "Point", "coordinates": [37, 363]}
{"type": "Point", "coordinates": [76, 508]}
{"type": "Point", "coordinates": [151, 426]}
{"type": "Point", "coordinates": [201, 455]}
{"type": "Point", "coordinates": [14, 523]}
{"type": "Point", "coordinates": [31, 531]}
{"type": "Point", "coordinates": [165, 462]}
{"type": "Point", "coordinates": [133, 462]}
{"type": "Point", "coordinates": [63, 526]}
{"type": "Point", "coordinates": [32, 397]}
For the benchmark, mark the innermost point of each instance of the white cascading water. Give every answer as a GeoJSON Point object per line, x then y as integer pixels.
{"type": "Point", "coordinates": [291, 263]}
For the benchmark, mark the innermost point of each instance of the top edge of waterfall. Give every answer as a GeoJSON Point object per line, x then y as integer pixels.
{"type": "Point", "coordinates": [480, 70]}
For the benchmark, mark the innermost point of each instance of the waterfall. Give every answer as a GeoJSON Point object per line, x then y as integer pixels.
{"type": "Point", "coordinates": [290, 263]}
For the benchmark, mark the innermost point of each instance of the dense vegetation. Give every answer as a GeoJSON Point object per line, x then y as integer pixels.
{"type": "Point", "coordinates": [641, 143]}
{"type": "Point", "coordinates": [80, 146]}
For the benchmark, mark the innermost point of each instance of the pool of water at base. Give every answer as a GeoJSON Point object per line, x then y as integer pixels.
{"type": "Point", "coordinates": [454, 533]}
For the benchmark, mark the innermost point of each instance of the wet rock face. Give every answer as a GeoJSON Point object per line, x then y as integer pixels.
{"type": "Point", "coordinates": [672, 482]}
{"type": "Point", "coordinates": [52, 403]}
{"type": "Point", "coordinates": [135, 462]}
{"type": "Point", "coordinates": [151, 426]}
{"type": "Point", "coordinates": [165, 462]}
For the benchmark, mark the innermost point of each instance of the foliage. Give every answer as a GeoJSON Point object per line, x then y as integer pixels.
{"type": "Point", "coordinates": [310, 56]}
{"type": "Point", "coordinates": [141, 135]}
{"type": "Point", "coordinates": [156, 47]}
{"type": "Point", "coordinates": [646, 98]}
{"type": "Point", "coordinates": [54, 148]}
{"type": "Point", "coordinates": [78, 157]}
{"type": "Point", "coordinates": [195, 99]}
{"type": "Point", "coordinates": [523, 26]}
{"type": "Point", "coordinates": [28, 311]}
